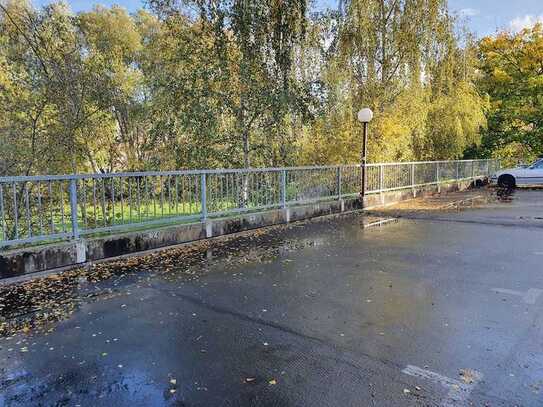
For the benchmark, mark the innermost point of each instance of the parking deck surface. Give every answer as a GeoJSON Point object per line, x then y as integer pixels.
{"type": "Point", "coordinates": [440, 311]}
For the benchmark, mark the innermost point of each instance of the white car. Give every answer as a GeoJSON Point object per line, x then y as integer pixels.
{"type": "Point", "coordinates": [523, 175]}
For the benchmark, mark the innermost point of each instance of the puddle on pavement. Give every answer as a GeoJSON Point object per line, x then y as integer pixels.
{"type": "Point", "coordinates": [37, 304]}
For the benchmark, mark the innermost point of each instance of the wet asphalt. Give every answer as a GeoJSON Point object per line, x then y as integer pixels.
{"type": "Point", "coordinates": [424, 312]}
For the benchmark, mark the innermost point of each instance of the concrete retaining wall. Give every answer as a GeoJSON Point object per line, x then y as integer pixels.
{"type": "Point", "coordinates": [60, 255]}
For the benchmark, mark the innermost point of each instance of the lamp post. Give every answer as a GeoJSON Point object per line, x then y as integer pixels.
{"type": "Point", "coordinates": [364, 116]}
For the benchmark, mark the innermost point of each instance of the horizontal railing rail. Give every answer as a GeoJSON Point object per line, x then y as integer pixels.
{"type": "Point", "coordinates": [42, 208]}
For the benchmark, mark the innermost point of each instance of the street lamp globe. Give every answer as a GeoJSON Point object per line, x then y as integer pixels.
{"type": "Point", "coordinates": [365, 115]}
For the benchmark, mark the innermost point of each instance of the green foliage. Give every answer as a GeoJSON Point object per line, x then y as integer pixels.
{"type": "Point", "coordinates": [513, 153]}
{"type": "Point", "coordinates": [404, 60]}
{"type": "Point", "coordinates": [232, 83]}
{"type": "Point", "coordinates": [511, 74]}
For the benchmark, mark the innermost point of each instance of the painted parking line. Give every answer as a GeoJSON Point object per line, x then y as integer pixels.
{"type": "Point", "coordinates": [529, 297]}
{"type": "Point", "coordinates": [459, 390]}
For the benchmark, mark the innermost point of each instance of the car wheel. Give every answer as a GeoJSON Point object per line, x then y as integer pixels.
{"type": "Point", "coordinates": [507, 181]}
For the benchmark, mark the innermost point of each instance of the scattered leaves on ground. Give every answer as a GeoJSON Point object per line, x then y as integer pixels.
{"type": "Point", "coordinates": [39, 303]}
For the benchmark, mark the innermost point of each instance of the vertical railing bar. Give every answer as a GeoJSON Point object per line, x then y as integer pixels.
{"type": "Point", "coordinates": [196, 193]}
{"type": "Point", "coordinates": [51, 205]}
{"type": "Point", "coordinates": [215, 193]}
{"type": "Point", "coordinates": [257, 190]}
{"type": "Point", "coordinates": [268, 191]}
{"type": "Point", "coordinates": [413, 179]}
{"type": "Point", "coordinates": [262, 193]}
{"type": "Point", "coordinates": [161, 195]}
{"type": "Point", "coordinates": [457, 170]}
{"type": "Point", "coordinates": [28, 214]}
{"type": "Point", "coordinates": [203, 196]}
{"type": "Point", "coordinates": [227, 192]}
{"type": "Point", "coordinates": [211, 186]}
{"type": "Point", "coordinates": [381, 177]}
{"type": "Point", "coordinates": [138, 197]}
{"type": "Point", "coordinates": [40, 208]}
{"type": "Point", "coordinates": [230, 191]}
{"type": "Point", "coordinates": [215, 204]}
{"type": "Point", "coordinates": [271, 188]}
{"type": "Point", "coordinates": [147, 199]}
{"type": "Point", "coordinates": [94, 211]}
{"type": "Point", "coordinates": [113, 201]}
{"type": "Point", "coordinates": [265, 188]}
{"type": "Point", "coordinates": [183, 197]}
{"type": "Point", "coordinates": [154, 198]}
{"type": "Point", "coordinates": [169, 195]}
{"type": "Point", "coordinates": [250, 188]}
{"type": "Point", "coordinates": [239, 193]}
{"type": "Point", "coordinates": [224, 192]}
{"type": "Point", "coordinates": [194, 184]}
{"type": "Point", "coordinates": [16, 211]}
{"type": "Point", "coordinates": [121, 193]}
{"type": "Point", "coordinates": [277, 188]}
{"type": "Point", "coordinates": [62, 217]}
{"type": "Point", "coordinates": [224, 203]}
{"type": "Point", "coordinates": [176, 194]}
{"type": "Point", "coordinates": [4, 226]}
{"type": "Point", "coordinates": [73, 208]}
{"type": "Point", "coordinates": [104, 216]}
{"type": "Point", "coordinates": [130, 203]}
{"type": "Point", "coordinates": [84, 204]}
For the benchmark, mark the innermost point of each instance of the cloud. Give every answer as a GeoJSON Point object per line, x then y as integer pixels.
{"type": "Point", "coordinates": [526, 21]}
{"type": "Point", "coordinates": [469, 12]}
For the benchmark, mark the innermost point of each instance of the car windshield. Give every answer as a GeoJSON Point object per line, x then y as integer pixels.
{"type": "Point", "coordinates": [537, 164]}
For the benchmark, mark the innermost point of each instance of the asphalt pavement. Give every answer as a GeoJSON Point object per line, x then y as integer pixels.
{"type": "Point", "coordinates": [445, 310]}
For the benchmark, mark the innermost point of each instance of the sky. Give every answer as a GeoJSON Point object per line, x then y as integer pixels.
{"type": "Point", "coordinates": [483, 17]}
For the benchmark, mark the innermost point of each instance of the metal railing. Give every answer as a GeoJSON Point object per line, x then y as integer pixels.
{"type": "Point", "coordinates": [40, 208]}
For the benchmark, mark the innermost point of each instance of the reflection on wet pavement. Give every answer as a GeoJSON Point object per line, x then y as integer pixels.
{"type": "Point", "coordinates": [36, 304]}
{"type": "Point", "coordinates": [318, 314]}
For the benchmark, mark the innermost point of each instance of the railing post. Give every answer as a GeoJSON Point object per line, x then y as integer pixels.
{"type": "Point", "coordinates": [338, 180]}
{"type": "Point", "coordinates": [73, 208]}
{"type": "Point", "coordinates": [203, 196]}
{"type": "Point", "coordinates": [283, 189]}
